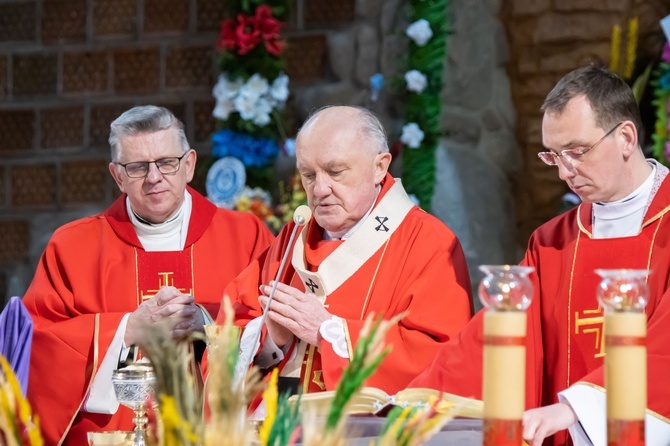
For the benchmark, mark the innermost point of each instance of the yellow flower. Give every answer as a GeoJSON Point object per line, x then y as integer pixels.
{"type": "Point", "coordinates": [616, 48]}
{"type": "Point", "coordinates": [631, 48]}
{"type": "Point", "coordinates": [12, 398]}
{"type": "Point", "coordinates": [270, 396]}
{"type": "Point", "coordinates": [173, 424]}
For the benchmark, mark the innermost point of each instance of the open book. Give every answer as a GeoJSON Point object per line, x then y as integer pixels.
{"type": "Point", "coordinates": [371, 400]}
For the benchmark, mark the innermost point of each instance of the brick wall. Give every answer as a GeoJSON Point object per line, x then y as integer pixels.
{"type": "Point", "coordinates": [548, 39]}
{"type": "Point", "coordinates": [69, 67]}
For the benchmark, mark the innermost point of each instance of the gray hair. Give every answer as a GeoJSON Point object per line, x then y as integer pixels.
{"type": "Point", "coordinates": [611, 99]}
{"type": "Point", "coordinates": [370, 126]}
{"type": "Point", "coordinates": [144, 119]}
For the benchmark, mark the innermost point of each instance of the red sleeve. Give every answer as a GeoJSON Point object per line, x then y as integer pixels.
{"type": "Point", "coordinates": [64, 347]}
{"type": "Point", "coordinates": [457, 367]}
{"type": "Point", "coordinates": [243, 291]}
{"type": "Point", "coordinates": [438, 305]}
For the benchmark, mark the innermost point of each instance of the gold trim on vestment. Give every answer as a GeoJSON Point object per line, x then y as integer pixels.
{"type": "Point", "coordinates": [660, 214]}
{"type": "Point", "coordinates": [137, 279]}
{"type": "Point", "coordinates": [308, 368]}
{"type": "Point", "coordinates": [572, 275]}
{"type": "Point", "coordinates": [96, 336]}
{"type": "Point", "coordinates": [653, 239]}
{"type": "Point", "coordinates": [190, 256]}
{"type": "Point", "coordinates": [347, 336]}
{"type": "Point", "coordinates": [579, 222]}
{"type": "Point", "coordinates": [374, 277]}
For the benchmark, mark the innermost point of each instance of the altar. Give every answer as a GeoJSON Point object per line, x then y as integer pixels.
{"type": "Point", "coordinates": [461, 431]}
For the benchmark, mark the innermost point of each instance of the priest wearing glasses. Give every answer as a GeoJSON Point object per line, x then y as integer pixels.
{"type": "Point", "coordinates": [160, 252]}
{"type": "Point", "coordinates": [590, 130]}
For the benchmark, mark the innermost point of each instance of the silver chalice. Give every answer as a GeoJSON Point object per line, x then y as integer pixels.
{"type": "Point", "coordinates": [133, 386]}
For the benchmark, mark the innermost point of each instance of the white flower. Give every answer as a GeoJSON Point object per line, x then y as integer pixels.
{"type": "Point", "coordinates": [412, 135]}
{"type": "Point", "coordinates": [246, 105]}
{"type": "Point", "coordinates": [261, 119]}
{"type": "Point", "coordinates": [224, 89]}
{"type": "Point", "coordinates": [419, 32]}
{"type": "Point", "coordinates": [256, 85]}
{"type": "Point", "coordinates": [416, 81]}
{"type": "Point", "coordinates": [254, 99]}
{"type": "Point", "coordinates": [223, 109]}
{"type": "Point", "coordinates": [279, 89]}
{"type": "Point", "coordinates": [262, 113]}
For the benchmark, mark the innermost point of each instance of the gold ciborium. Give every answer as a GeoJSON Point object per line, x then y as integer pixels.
{"type": "Point", "coordinates": [134, 386]}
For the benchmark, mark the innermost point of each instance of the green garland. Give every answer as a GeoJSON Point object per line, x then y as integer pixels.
{"type": "Point", "coordinates": [424, 108]}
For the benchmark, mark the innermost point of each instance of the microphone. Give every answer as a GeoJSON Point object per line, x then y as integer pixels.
{"type": "Point", "coordinates": [301, 216]}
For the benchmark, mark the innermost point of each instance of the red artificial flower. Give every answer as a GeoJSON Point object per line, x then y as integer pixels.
{"type": "Point", "coordinates": [241, 34]}
{"type": "Point", "coordinates": [245, 33]}
{"type": "Point", "coordinates": [269, 29]}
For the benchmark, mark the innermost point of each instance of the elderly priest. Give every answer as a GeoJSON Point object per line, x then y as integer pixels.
{"type": "Point", "coordinates": [368, 250]}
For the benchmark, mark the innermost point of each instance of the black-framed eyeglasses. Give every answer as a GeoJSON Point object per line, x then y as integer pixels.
{"type": "Point", "coordinates": [140, 169]}
{"type": "Point", "coordinates": [573, 156]}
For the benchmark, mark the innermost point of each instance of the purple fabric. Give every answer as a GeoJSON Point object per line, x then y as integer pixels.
{"type": "Point", "coordinates": [16, 337]}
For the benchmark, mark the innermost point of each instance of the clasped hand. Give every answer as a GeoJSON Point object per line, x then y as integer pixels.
{"type": "Point", "coordinates": [168, 306]}
{"type": "Point", "coordinates": [293, 313]}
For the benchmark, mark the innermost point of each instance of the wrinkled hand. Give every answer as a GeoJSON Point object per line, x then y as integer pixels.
{"type": "Point", "coordinates": [544, 422]}
{"type": "Point", "coordinates": [293, 312]}
{"type": "Point", "coordinates": [168, 306]}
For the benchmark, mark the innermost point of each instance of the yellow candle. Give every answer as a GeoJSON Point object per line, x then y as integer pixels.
{"type": "Point", "coordinates": [504, 365]}
{"type": "Point", "coordinates": [626, 365]}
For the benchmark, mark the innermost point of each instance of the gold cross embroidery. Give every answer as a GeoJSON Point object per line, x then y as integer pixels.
{"type": "Point", "coordinates": [164, 279]}
{"type": "Point", "coordinates": [595, 324]}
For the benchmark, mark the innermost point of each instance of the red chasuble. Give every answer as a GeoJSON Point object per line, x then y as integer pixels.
{"type": "Point", "coordinates": [565, 341]}
{"type": "Point", "coordinates": [420, 269]}
{"type": "Point", "coordinates": [94, 271]}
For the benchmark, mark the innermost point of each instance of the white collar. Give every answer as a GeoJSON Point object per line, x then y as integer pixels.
{"type": "Point", "coordinates": [167, 236]}
{"type": "Point", "coordinates": [623, 218]}
{"type": "Point", "coordinates": [634, 202]}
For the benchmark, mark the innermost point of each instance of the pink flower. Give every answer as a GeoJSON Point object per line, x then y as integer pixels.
{"type": "Point", "coordinates": [666, 52]}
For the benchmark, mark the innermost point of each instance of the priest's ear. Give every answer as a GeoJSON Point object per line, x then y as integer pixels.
{"type": "Point", "coordinates": [627, 135]}
{"type": "Point", "coordinates": [117, 173]}
{"type": "Point", "coordinates": [382, 161]}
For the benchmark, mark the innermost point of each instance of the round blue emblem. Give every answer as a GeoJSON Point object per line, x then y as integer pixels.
{"type": "Point", "coordinates": [225, 180]}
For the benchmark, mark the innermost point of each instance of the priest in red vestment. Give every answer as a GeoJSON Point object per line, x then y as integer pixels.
{"type": "Point", "coordinates": [368, 250]}
{"type": "Point", "coordinates": [161, 252]}
{"type": "Point", "coordinates": [590, 128]}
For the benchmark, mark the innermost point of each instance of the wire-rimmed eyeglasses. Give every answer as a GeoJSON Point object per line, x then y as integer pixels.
{"type": "Point", "coordinates": [140, 169]}
{"type": "Point", "coordinates": [573, 156]}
